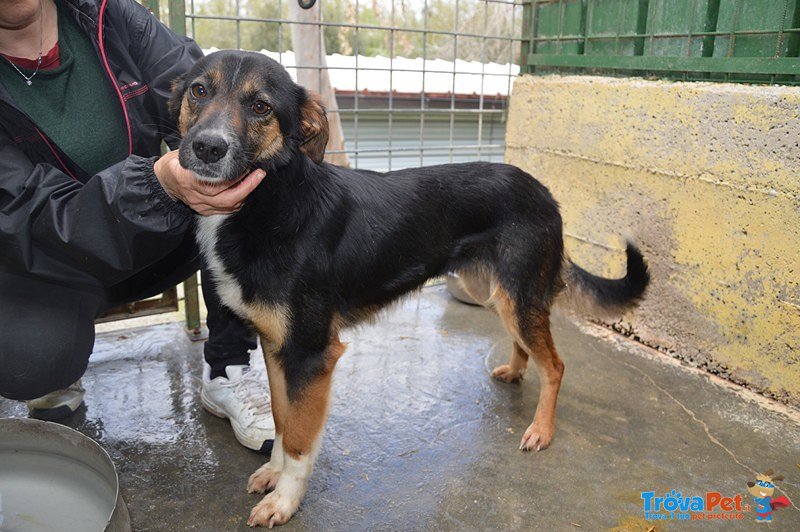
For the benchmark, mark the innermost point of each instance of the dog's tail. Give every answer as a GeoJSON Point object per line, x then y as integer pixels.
{"type": "Point", "coordinates": [587, 293]}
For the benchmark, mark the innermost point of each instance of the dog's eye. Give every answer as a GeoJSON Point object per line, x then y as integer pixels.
{"type": "Point", "coordinates": [261, 107]}
{"type": "Point", "coordinates": [198, 91]}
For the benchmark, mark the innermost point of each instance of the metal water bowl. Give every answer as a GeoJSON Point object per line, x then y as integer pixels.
{"type": "Point", "coordinates": [55, 478]}
{"type": "Point", "coordinates": [457, 291]}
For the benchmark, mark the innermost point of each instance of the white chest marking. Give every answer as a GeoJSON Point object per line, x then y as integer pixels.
{"type": "Point", "coordinates": [228, 289]}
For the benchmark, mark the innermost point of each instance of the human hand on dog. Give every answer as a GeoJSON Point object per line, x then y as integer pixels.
{"type": "Point", "coordinates": [204, 198]}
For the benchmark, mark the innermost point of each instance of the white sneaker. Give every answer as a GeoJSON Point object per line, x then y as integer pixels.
{"type": "Point", "coordinates": [58, 404]}
{"type": "Point", "coordinates": [243, 398]}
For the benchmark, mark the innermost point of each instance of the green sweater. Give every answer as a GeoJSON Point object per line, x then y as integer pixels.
{"type": "Point", "coordinates": [74, 104]}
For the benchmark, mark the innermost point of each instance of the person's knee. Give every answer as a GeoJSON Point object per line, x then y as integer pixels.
{"type": "Point", "coordinates": [23, 382]}
{"type": "Point", "coordinates": [45, 342]}
{"type": "Point", "coordinates": [30, 369]}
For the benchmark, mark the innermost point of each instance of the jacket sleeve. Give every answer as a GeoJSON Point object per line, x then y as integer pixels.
{"type": "Point", "coordinates": [162, 57]}
{"type": "Point", "coordinates": [117, 223]}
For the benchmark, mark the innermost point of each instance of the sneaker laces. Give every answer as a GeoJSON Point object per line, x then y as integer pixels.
{"type": "Point", "coordinates": [252, 392]}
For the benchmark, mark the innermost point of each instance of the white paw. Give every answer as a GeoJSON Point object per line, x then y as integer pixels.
{"type": "Point", "coordinates": [264, 479]}
{"type": "Point", "coordinates": [274, 509]}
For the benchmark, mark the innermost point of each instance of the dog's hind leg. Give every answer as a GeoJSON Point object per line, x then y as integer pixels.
{"type": "Point", "coordinates": [531, 331]}
{"type": "Point", "coordinates": [551, 369]}
{"type": "Point", "coordinates": [307, 376]}
{"type": "Point", "coordinates": [266, 477]}
{"type": "Point", "coordinates": [482, 286]}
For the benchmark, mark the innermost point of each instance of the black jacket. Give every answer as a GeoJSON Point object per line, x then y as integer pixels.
{"type": "Point", "coordinates": [58, 224]}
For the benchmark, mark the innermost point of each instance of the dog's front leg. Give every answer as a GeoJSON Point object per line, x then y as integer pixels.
{"type": "Point", "coordinates": [307, 378]}
{"type": "Point", "coordinates": [266, 477]}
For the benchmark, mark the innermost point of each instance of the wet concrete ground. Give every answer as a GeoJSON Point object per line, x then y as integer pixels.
{"type": "Point", "coordinates": [420, 438]}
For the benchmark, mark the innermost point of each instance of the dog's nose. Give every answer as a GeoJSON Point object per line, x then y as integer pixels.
{"type": "Point", "coordinates": [209, 148]}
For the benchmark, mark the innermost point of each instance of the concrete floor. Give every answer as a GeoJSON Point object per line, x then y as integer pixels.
{"type": "Point", "coordinates": [420, 438]}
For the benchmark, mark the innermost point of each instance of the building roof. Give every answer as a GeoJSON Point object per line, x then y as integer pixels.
{"type": "Point", "coordinates": [372, 74]}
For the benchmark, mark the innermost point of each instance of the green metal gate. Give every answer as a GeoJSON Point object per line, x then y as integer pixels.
{"type": "Point", "coordinates": [753, 41]}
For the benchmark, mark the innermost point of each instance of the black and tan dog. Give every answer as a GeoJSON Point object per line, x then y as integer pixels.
{"type": "Point", "coordinates": [317, 248]}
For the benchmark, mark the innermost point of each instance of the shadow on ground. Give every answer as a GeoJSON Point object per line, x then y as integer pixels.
{"type": "Point", "coordinates": [420, 438]}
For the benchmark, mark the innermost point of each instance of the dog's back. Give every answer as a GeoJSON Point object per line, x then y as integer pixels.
{"type": "Point", "coordinates": [401, 228]}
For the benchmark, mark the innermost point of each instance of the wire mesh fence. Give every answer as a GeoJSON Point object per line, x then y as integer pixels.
{"type": "Point", "coordinates": [427, 81]}
{"type": "Point", "coordinates": [416, 81]}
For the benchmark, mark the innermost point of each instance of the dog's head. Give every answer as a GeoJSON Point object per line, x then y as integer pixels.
{"type": "Point", "coordinates": [237, 111]}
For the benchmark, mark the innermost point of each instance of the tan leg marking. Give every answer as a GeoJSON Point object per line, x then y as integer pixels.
{"type": "Point", "coordinates": [272, 324]}
{"type": "Point", "coordinates": [551, 370]}
{"type": "Point", "coordinates": [307, 415]}
{"type": "Point", "coordinates": [532, 339]}
{"type": "Point", "coordinates": [266, 477]}
{"type": "Point", "coordinates": [302, 427]}
{"type": "Point", "coordinates": [518, 362]}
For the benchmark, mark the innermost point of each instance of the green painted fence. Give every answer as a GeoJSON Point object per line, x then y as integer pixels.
{"type": "Point", "coordinates": [755, 41]}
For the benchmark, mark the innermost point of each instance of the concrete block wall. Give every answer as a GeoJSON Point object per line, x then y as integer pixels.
{"type": "Point", "coordinates": [705, 177]}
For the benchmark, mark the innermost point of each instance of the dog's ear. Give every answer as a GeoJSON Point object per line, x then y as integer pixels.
{"type": "Point", "coordinates": [314, 127]}
{"type": "Point", "coordinates": [178, 88]}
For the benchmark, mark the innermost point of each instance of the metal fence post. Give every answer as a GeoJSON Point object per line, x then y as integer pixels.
{"type": "Point", "coordinates": [191, 296]}
{"type": "Point", "coordinates": [177, 22]}
{"type": "Point", "coordinates": [177, 16]}
{"type": "Point", "coordinates": [153, 6]}
{"type": "Point", "coordinates": [528, 45]}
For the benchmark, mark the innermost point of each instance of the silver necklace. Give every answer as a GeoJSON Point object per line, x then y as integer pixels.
{"type": "Point", "coordinates": [29, 79]}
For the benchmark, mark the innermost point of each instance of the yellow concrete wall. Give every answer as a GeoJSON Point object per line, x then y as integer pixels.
{"type": "Point", "coordinates": [706, 179]}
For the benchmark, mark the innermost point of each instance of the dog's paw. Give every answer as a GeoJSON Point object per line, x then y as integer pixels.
{"type": "Point", "coordinates": [537, 437]}
{"type": "Point", "coordinates": [506, 374]}
{"type": "Point", "coordinates": [274, 509]}
{"type": "Point", "coordinates": [264, 479]}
